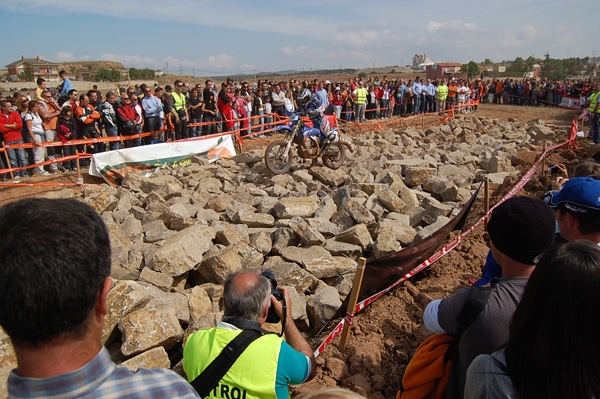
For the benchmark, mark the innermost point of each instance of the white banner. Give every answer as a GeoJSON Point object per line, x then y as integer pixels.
{"type": "Point", "coordinates": [114, 165]}
{"type": "Point", "coordinates": [570, 103]}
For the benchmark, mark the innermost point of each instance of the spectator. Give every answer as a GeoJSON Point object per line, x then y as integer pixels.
{"type": "Point", "coordinates": [35, 127]}
{"type": "Point", "coordinates": [167, 104]}
{"type": "Point", "coordinates": [179, 111]}
{"type": "Point", "coordinates": [109, 118]}
{"type": "Point", "coordinates": [11, 125]}
{"type": "Point", "coordinates": [95, 98]}
{"type": "Point", "coordinates": [417, 90]}
{"type": "Point", "coordinates": [321, 93]}
{"type": "Point", "coordinates": [384, 100]}
{"type": "Point", "coordinates": [67, 131]}
{"type": "Point", "coordinates": [520, 229]}
{"type": "Point", "coordinates": [577, 207]}
{"type": "Point", "coordinates": [127, 116]}
{"type": "Point", "coordinates": [229, 118]}
{"type": "Point", "coordinates": [88, 122]}
{"type": "Point", "coordinates": [278, 101]}
{"type": "Point", "coordinates": [452, 93]}
{"type": "Point", "coordinates": [359, 95]}
{"type": "Point", "coordinates": [594, 110]}
{"type": "Point", "coordinates": [41, 87]}
{"type": "Point", "coordinates": [139, 115]}
{"type": "Point", "coordinates": [63, 247]}
{"type": "Point", "coordinates": [259, 108]}
{"type": "Point", "coordinates": [209, 114]}
{"type": "Point", "coordinates": [241, 110]}
{"type": "Point", "coordinates": [429, 94]}
{"type": "Point", "coordinates": [442, 94]}
{"type": "Point", "coordinates": [73, 99]}
{"type": "Point", "coordinates": [338, 102]}
{"type": "Point", "coordinates": [553, 350]}
{"type": "Point", "coordinates": [153, 110]}
{"type": "Point", "coordinates": [195, 105]}
{"type": "Point", "coordinates": [269, 363]}
{"type": "Point", "coordinates": [49, 112]}
{"type": "Point", "coordinates": [66, 87]}
{"type": "Point", "coordinates": [289, 102]}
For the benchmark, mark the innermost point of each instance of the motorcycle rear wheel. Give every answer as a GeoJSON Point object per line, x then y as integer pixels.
{"type": "Point", "coordinates": [333, 156]}
{"type": "Point", "coordinates": [275, 160]}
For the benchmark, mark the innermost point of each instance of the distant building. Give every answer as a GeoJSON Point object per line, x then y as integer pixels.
{"type": "Point", "coordinates": [420, 59]}
{"type": "Point", "coordinates": [591, 68]}
{"type": "Point", "coordinates": [38, 68]}
{"type": "Point", "coordinates": [159, 72]}
{"type": "Point", "coordinates": [443, 70]}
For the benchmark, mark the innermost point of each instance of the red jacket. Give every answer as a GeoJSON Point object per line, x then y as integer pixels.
{"type": "Point", "coordinates": [7, 133]}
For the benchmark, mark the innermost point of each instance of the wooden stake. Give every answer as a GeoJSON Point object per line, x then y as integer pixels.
{"type": "Point", "coordinates": [486, 199]}
{"type": "Point", "coordinates": [8, 165]}
{"type": "Point", "coordinates": [360, 270]}
{"type": "Point", "coordinates": [79, 179]}
{"type": "Point", "coordinates": [543, 168]}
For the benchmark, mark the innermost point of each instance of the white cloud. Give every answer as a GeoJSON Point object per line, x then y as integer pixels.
{"type": "Point", "coordinates": [64, 56]}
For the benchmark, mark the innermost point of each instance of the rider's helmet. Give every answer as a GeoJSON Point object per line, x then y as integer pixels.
{"type": "Point", "coordinates": [304, 96]}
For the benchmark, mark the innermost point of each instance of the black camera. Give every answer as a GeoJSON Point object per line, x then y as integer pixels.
{"type": "Point", "coordinates": [278, 294]}
{"type": "Point", "coordinates": [554, 170]}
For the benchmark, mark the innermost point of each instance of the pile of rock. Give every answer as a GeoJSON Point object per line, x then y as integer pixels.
{"type": "Point", "coordinates": [178, 233]}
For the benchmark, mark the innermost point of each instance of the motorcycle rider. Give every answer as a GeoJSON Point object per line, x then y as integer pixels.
{"type": "Point", "coordinates": [309, 105]}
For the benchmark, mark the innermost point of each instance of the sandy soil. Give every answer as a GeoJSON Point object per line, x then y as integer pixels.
{"type": "Point", "coordinates": [386, 334]}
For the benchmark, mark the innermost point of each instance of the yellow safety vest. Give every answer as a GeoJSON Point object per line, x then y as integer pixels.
{"type": "Point", "coordinates": [252, 375]}
{"type": "Point", "coordinates": [361, 96]}
{"type": "Point", "coordinates": [593, 101]}
{"type": "Point", "coordinates": [179, 101]}
{"type": "Point", "coordinates": [442, 92]}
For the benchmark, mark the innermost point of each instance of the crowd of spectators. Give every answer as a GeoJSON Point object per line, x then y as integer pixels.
{"type": "Point", "coordinates": [182, 111]}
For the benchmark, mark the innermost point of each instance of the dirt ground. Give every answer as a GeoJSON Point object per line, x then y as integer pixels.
{"type": "Point", "coordinates": [386, 334]}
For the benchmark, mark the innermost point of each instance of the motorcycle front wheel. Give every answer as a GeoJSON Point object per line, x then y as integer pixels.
{"type": "Point", "coordinates": [333, 156]}
{"type": "Point", "coordinates": [275, 160]}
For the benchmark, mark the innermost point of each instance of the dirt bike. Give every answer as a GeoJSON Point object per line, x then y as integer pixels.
{"type": "Point", "coordinates": [310, 142]}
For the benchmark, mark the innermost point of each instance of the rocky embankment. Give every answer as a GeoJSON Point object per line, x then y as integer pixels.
{"type": "Point", "coordinates": [178, 233]}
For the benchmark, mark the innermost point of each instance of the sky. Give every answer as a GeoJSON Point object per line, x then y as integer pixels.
{"type": "Point", "coordinates": [208, 38]}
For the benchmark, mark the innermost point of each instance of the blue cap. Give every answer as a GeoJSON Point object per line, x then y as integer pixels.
{"type": "Point", "coordinates": [579, 194]}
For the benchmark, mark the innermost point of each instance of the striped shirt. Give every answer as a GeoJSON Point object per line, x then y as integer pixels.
{"type": "Point", "coordinates": [101, 378]}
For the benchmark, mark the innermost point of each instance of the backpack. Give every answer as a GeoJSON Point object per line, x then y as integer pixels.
{"type": "Point", "coordinates": [432, 370]}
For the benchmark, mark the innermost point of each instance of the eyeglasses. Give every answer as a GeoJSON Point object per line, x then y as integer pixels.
{"type": "Point", "coordinates": [124, 98]}
{"type": "Point", "coordinates": [147, 91]}
{"type": "Point", "coordinates": [47, 96]}
{"type": "Point", "coordinates": [179, 85]}
{"type": "Point", "coordinates": [134, 99]}
{"type": "Point", "coordinates": [26, 101]}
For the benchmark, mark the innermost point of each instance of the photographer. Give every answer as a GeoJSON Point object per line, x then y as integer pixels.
{"type": "Point", "coordinates": [268, 364]}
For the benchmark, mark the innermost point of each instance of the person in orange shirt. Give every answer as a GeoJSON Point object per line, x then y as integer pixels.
{"type": "Point", "coordinates": [499, 88]}
{"type": "Point", "coordinates": [452, 93]}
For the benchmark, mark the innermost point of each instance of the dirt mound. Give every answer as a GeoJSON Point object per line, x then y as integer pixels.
{"type": "Point", "coordinates": [91, 65]}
